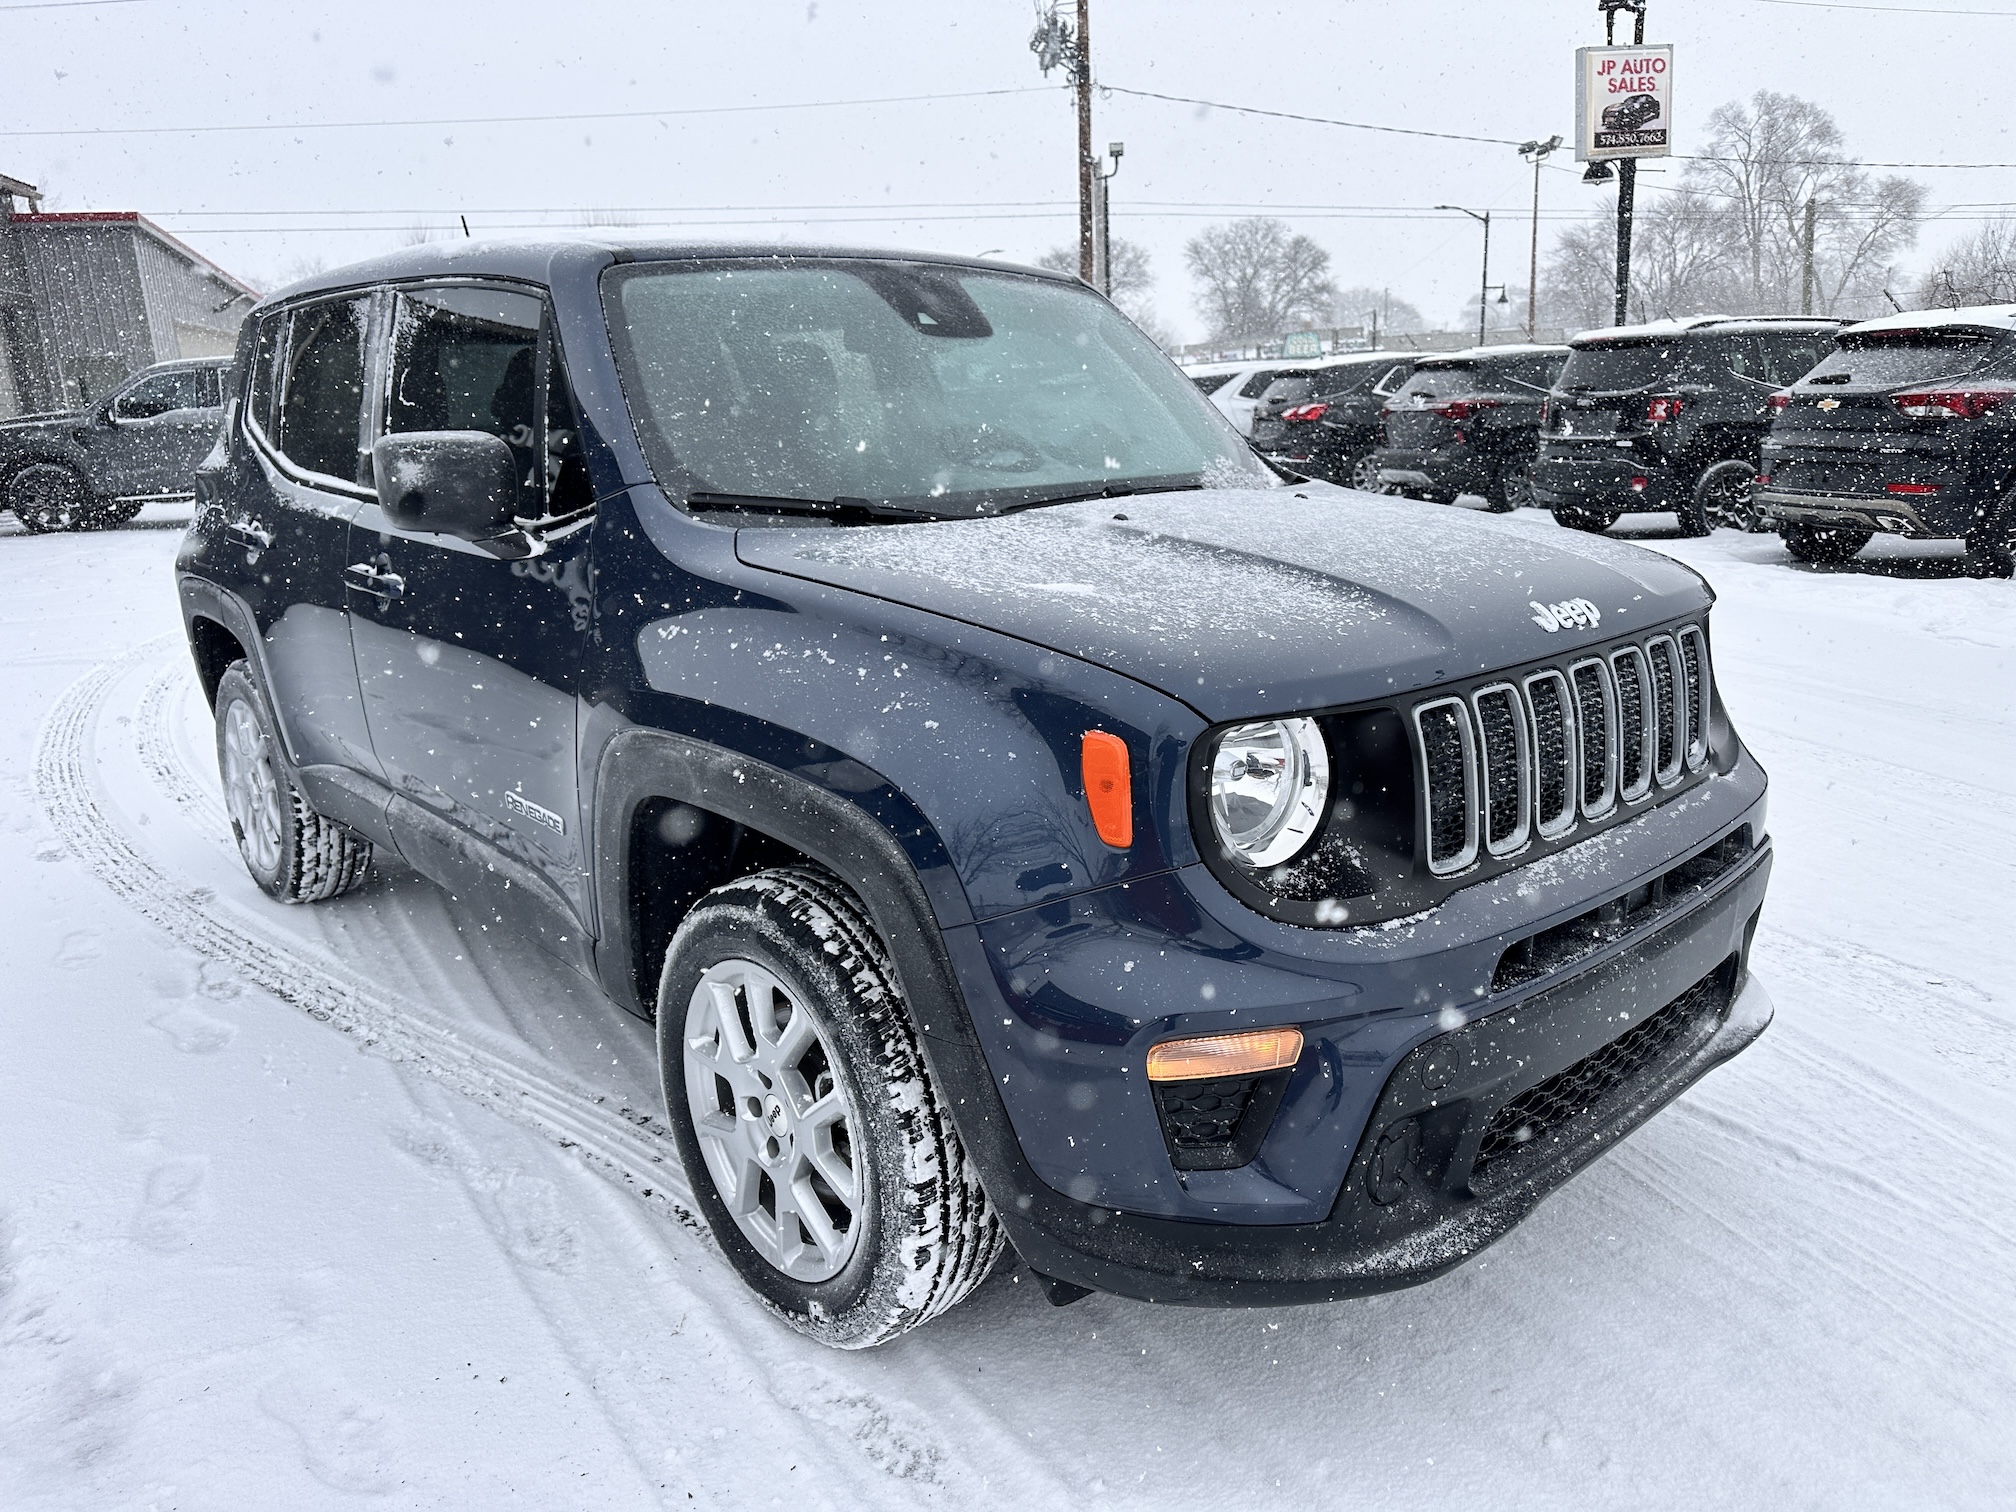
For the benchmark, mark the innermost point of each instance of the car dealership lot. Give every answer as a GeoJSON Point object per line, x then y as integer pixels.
{"type": "Point", "coordinates": [299, 1205]}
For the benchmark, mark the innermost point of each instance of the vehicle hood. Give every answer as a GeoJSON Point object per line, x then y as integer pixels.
{"type": "Point", "coordinates": [1248, 602]}
{"type": "Point", "coordinates": [45, 420]}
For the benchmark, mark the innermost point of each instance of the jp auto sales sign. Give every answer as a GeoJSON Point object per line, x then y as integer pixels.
{"type": "Point", "coordinates": [1623, 102]}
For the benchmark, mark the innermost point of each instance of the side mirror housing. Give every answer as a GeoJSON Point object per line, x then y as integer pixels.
{"type": "Point", "coordinates": [459, 483]}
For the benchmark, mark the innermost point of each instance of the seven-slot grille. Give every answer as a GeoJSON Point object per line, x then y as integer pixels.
{"type": "Point", "coordinates": [1537, 754]}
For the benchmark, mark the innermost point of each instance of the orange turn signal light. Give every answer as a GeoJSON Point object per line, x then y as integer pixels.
{"type": "Point", "coordinates": [1109, 787]}
{"type": "Point", "coordinates": [1208, 1055]}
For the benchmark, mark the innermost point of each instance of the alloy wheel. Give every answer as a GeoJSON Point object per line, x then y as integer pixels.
{"type": "Point", "coordinates": [773, 1121]}
{"type": "Point", "coordinates": [251, 788]}
{"type": "Point", "coordinates": [1365, 474]}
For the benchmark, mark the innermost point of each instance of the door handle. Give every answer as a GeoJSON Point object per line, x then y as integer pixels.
{"type": "Point", "coordinates": [365, 578]}
{"type": "Point", "coordinates": [248, 533]}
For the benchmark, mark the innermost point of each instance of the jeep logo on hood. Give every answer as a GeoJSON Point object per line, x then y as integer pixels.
{"type": "Point", "coordinates": [1578, 612]}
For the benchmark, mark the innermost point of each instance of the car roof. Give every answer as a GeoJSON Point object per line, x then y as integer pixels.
{"type": "Point", "coordinates": [534, 261]}
{"type": "Point", "coordinates": [1656, 329]}
{"type": "Point", "coordinates": [1478, 354]}
{"type": "Point", "coordinates": [1977, 317]}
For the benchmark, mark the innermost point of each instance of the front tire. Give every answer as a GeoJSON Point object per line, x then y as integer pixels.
{"type": "Point", "coordinates": [292, 852]}
{"type": "Point", "coordinates": [816, 1143]}
{"type": "Point", "coordinates": [1363, 474]}
{"type": "Point", "coordinates": [1823, 545]}
{"type": "Point", "coordinates": [50, 496]}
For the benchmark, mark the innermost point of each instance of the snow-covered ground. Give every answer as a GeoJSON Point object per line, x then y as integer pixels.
{"type": "Point", "coordinates": [342, 1206]}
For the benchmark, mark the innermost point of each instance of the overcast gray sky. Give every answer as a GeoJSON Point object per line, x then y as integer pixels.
{"type": "Point", "coordinates": [98, 101]}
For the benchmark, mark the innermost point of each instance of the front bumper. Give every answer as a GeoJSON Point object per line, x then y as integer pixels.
{"type": "Point", "coordinates": [1084, 985]}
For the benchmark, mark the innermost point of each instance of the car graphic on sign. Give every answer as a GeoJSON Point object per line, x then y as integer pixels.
{"type": "Point", "coordinates": [1631, 114]}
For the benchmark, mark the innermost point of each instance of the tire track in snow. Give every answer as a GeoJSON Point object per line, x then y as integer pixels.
{"type": "Point", "coordinates": [858, 1440]}
{"type": "Point", "coordinates": [627, 1144]}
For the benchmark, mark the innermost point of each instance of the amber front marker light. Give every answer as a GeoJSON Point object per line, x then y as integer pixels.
{"type": "Point", "coordinates": [1109, 787]}
{"type": "Point", "coordinates": [1209, 1055]}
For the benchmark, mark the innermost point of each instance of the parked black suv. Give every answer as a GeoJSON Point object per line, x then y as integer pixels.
{"type": "Point", "coordinates": [1467, 423]}
{"type": "Point", "coordinates": [1909, 428]}
{"type": "Point", "coordinates": [100, 466]}
{"type": "Point", "coordinates": [1027, 818]}
{"type": "Point", "coordinates": [1325, 424]}
{"type": "Point", "coordinates": [1669, 416]}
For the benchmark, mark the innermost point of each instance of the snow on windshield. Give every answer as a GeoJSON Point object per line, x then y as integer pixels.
{"type": "Point", "coordinates": [927, 386]}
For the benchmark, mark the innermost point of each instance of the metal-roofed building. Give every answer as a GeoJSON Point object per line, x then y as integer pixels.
{"type": "Point", "coordinates": [87, 298]}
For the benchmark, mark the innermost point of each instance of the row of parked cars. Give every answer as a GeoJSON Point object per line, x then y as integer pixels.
{"type": "Point", "coordinates": [1827, 432]}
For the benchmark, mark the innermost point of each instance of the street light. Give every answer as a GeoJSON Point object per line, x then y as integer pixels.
{"type": "Point", "coordinates": [1538, 152]}
{"type": "Point", "coordinates": [1102, 227]}
{"type": "Point", "coordinates": [1484, 279]}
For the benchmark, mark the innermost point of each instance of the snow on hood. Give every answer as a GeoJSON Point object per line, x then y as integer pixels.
{"type": "Point", "coordinates": [1245, 602]}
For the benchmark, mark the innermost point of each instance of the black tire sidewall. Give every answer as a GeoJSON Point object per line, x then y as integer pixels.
{"type": "Point", "coordinates": [750, 924]}
{"type": "Point", "coordinates": [1705, 485]}
{"type": "Point", "coordinates": [238, 686]}
{"type": "Point", "coordinates": [1823, 545]}
{"type": "Point", "coordinates": [82, 512]}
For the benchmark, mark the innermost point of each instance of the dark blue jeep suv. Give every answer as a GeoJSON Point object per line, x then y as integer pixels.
{"type": "Point", "coordinates": [1030, 820]}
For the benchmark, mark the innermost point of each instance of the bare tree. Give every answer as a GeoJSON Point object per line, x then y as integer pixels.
{"type": "Point", "coordinates": [1360, 304]}
{"type": "Point", "coordinates": [1257, 279]}
{"type": "Point", "coordinates": [1133, 282]}
{"type": "Point", "coordinates": [1979, 270]}
{"type": "Point", "coordinates": [1732, 235]}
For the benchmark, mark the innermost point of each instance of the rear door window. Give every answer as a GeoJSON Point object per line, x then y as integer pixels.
{"type": "Point", "coordinates": [1616, 368]}
{"type": "Point", "coordinates": [322, 393]}
{"type": "Point", "coordinates": [265, 365]}
{"type": "Point", "coordinates": [1887, 361]}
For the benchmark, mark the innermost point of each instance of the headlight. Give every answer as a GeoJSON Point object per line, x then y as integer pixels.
{"type": "Point", "coordinates": [1268, 785]}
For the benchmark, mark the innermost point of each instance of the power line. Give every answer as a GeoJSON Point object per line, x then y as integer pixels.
{"type": "Point", "coordinates": [67, 4]}
{"type": "Point", "coordinates": [1288, 115]}
{"type": "Point", "coordinates": [507, 120]}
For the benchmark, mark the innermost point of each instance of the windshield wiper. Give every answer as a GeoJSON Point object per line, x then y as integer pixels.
{"type": "Point", "coordinates": [1180, 483]}
{"type": "Point", "coordinates": [842, 510]}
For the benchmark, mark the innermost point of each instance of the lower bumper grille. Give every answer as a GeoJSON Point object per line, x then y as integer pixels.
{"type": "Point", "coordinates": [1542, 1109]}
{"type": "Point", "coordinates": [1217, 1125]}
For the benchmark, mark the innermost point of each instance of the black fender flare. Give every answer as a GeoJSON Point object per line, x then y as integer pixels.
{"type": "Point", "coordinates": [640, 765]}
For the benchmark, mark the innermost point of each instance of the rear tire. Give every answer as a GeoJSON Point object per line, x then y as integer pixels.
{"type": "Point", "coordinates": [1589, 517]}
{"type": "Point", "coordinates": [1823, 545]}
{"type": "Point", "coordinates": [113, 513]}
{"type": "Point", "coordinates": [1513, 488]}
{"type": "Point", "coordinates": [292, 852]}
{"type": "Point", "coordinates": [1991, 544]}
{"type": "Point", "coordinates": [816, 1144]}
{"type": "Point", "coordinates": [1722, 497]}
{"type": "Point", "coordinates": [50, 496]}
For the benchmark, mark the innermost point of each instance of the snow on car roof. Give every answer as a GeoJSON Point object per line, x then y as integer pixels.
{"type": "Point", "coordinates": [1985, 317]}
{"type": "Point", "coordinates": [1508, 349]}
{"type": "Point", "coordinates": [1652, 330]}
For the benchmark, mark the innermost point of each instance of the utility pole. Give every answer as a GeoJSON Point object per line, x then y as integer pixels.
{"type": "Point", "coordinates": [1538, 152]}
{"type": "Point", "coordinates": [1088, 165]}
{"type": "Point", "coordinates": [1806, 281]}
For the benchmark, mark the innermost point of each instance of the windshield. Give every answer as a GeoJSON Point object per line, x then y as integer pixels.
{"type": "Point", "coordinates": [1611, 369]}
{"type": "Point", "coordinates": [913, 386]}
{"type": "Point", "coordinates": [1882, 361]}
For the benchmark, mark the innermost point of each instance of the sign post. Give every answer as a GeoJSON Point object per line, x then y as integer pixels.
{"type": "Point", "coordinates": [1623, 110]}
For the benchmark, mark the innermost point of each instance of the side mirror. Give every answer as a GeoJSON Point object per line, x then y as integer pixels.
{"type": "Point", "coordinates": [459, 483]}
